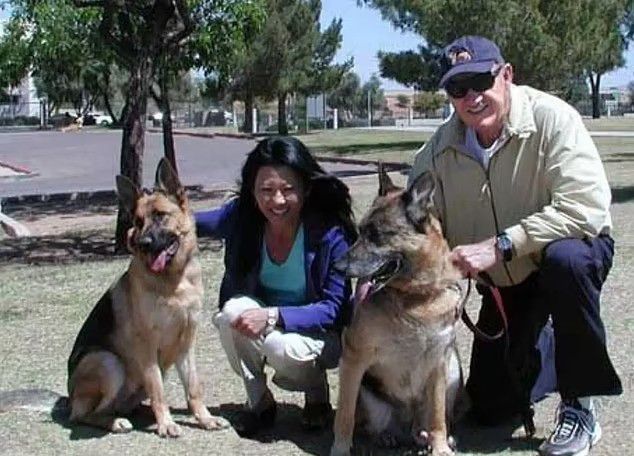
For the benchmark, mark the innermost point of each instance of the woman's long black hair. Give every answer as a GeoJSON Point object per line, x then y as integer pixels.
{"type": "Point", "coordinates": [328, 197]}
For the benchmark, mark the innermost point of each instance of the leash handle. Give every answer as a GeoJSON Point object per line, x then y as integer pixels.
{"type": "Point", "coordinates": [472, 327]}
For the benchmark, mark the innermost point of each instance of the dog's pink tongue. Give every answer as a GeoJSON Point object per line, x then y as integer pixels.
{"type": "Point", "coordinates": [361, 292]}
{"type": "Point", "coordinates": [159, 262]}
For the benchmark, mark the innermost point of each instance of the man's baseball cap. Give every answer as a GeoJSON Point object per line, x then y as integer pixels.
{"type": "Point", "coordinates": [469, 54]}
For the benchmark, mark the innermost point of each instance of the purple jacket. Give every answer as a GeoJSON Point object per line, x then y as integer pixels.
{"type": "Point", "coordinates": [327, 290]}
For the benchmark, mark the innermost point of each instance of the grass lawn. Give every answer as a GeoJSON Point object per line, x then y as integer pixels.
{"type": "Point", "coordinates": [367, 144]}
{"type": "Point", "coordinates": [42, 308]}
{"type": "Point", "coordinates": [610, 124]}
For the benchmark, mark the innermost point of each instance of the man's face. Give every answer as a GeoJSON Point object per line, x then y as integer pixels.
{"type": "Point", "coordinates": [483, 109]}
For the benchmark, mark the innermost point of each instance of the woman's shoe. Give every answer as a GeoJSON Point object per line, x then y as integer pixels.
{"type": "Point", "coordinates": [316, 416]}
{"type": "Point", "coordinates": [249, 423]}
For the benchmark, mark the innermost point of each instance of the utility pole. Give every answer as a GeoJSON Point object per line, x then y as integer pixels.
{"type": "Point", "coordinates": [369, 109]}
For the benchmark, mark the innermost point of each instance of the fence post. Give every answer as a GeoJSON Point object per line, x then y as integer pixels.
{"type": "Point", "coordinates": [335, 119]}
{"type": "Point", "coordinates": [254, 120]}
{"type": "Point", "coordinates": [43, 113]}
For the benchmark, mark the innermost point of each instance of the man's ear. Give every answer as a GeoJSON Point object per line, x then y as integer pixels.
{"type": "Point", "coordinates": [385, 183]}
{"type": "Point", "coordinates": [127, 192]}
{"type": "Point", "coordinates": [167, 180]}
{"type": "Point", "coordinates": [419, 199]}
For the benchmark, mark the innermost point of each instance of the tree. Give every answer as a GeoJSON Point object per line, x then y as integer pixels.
{"type": "Point", "coordinates": [547, 42]}
{"type": "Point", "coordinates": [290, 55]}
{"type": "Point", "coordinates": [59, 46]}
{"type": "Point", "coordinates": [630, 90]}
{"type": "Point", "coordinates": [139, 32]}
{"type": "Point", "coordinates": [402, 101]}
{"type": "Point", "coordinates": [219, 32]}
{"type": "Point", "coordinates": [428, 102]}
{"type": "Point", "coordinates": [345, 96]}
{"type": "Point", "coordinates": [420, 70]}
{"type": "Point", "coordinates": [371, 91]}
{"type": "Point", "coordinates": [575, 90]}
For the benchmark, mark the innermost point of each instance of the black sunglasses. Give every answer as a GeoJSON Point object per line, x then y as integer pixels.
{"type": "Point", "coordinates": [479, 82]}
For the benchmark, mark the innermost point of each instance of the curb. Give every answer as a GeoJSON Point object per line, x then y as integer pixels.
{"type": "Point", "coordinates": [390, 165]}
{"type": "Point", "coordinates": [204, 135]}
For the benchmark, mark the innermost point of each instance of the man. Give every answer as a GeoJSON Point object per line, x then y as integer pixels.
{"type": "Point", "coordinates": [523, 196]}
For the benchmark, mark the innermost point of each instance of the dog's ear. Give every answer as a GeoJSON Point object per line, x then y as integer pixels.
{"type": "Point", "coordinates": [419, 199]}
{"type": "Point", "coordinates": [385, 183]}
{"type": "Point", "coordinates": [127, 192]}
{"type": "Point", "coordinates": [167, 180]}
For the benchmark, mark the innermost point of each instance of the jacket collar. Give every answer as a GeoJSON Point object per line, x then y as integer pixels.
{"type": "Point", "coordinates": [520, 122]}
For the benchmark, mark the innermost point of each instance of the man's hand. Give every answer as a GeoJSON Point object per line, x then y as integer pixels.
{"type": "Point", "coordinates": [471, 259]}
{"type": "Point", "coordinates": [251, 323]}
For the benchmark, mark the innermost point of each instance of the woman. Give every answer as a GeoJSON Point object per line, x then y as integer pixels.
{"type": "Point", "coordinates": [281, 300]}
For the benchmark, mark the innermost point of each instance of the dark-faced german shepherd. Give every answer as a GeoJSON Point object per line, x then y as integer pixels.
{"type": "Point", "coordinates": [400, 375]}
{"type": "Point", "coordinates": [147, 320]}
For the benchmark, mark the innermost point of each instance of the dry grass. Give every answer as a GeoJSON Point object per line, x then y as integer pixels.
{"type": "Point", "coordinates": [42, 307]}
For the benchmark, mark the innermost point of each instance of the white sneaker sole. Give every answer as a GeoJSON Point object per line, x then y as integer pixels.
{"type": "Point", "coordinates": [596, 436]}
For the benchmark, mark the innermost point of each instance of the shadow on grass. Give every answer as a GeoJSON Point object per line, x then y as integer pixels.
{"type": "Point", "coordinates": [64, 249]}
{"type": "Point", "coordinates": [287, 428]}
{"type": "Point", "coordinates": [622, 194]}
{"type": "Point", "coordinates": [359, 149]}
{"type": "Point", "coordinates": [34, 207]}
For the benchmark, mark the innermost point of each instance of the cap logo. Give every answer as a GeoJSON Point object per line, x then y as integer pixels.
{"type": "Point", "coordinates": [459, 56]}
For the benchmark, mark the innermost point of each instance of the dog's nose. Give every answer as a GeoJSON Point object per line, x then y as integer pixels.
{"type": "Point", "coordinates": [145, 242]}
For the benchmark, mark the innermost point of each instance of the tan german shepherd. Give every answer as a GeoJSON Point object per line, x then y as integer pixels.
{"type": "Point", "coordinates": [147, 320]}
{"type": "Point", "coordinates": [399, 375]}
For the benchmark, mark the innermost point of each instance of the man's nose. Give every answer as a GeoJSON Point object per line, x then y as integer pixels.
{"type": "Point", "coordinates": [472, 96]}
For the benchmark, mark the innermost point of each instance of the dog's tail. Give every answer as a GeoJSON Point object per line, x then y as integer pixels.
{"type": "Point", "coordinates": [36, 400]}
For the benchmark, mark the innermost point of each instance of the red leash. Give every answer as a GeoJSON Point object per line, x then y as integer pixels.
{"type": "Point", "coordinates": [527, 411]}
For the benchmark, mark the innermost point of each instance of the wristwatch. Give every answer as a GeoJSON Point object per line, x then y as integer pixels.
{"type": "Point", "coordinates": [504, 244]}
{"type": "Point", "coordinates": [272, 316]}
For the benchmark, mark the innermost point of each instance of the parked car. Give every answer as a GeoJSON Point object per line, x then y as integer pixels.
{"type": "Point", "coordinates": [95, 118]}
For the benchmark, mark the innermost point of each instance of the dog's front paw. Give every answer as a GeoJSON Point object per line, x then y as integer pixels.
{"type": "Point", "coordinates": [442, 450]}
{"type": "Point", "coordinates": [121, 425]}
{"type": "Point", "coordinates": [213, 424]}
{"type": "Point", "coordinates": [169, 429]}
{"type": "Point", "coordinates": [435, 446]}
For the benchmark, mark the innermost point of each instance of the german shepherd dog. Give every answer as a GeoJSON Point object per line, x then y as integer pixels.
{"type": "Point", "coordinates": [399, 375]}
{"type": "Point", "coordinates": [147, 320]}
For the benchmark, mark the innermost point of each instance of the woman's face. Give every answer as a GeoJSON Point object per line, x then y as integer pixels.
{"type": "Point", "coordinates": [279, 193]}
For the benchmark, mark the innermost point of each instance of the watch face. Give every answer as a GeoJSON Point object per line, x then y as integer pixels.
{"type": "Point", "coordinates": [505, 246]}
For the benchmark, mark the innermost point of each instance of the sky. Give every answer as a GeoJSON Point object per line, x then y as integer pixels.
{"type": "Point", "coordinates": [365, 33]}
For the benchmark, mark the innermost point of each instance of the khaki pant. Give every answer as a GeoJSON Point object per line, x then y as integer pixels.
{"type": "Point", "coordinates": [300, 360]}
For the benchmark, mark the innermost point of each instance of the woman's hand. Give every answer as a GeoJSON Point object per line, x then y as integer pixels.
{"type": "Point", "coordinates": [251, 323]}
{"type": "Point", "coordinates": [474, 258]}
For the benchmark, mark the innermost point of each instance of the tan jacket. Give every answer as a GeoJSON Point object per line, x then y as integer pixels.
{"type": "Point", "coordinates": [546, 183]}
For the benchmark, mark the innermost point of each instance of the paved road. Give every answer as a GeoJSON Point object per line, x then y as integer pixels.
{"type": "Point", "coordinates": [88, 161]}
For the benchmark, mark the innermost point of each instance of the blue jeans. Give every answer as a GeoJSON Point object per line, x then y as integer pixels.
{"type": "Point", "coordinates": [567, 290]}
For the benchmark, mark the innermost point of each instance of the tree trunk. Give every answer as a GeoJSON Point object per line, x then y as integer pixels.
{"type": "Point", "coordinates": [168, 135]}
{"type": "Point", "coordinates": [282, 126]}
{"type": "Point", "coordinates": [248, 116]}
{"type": "Point", "coordinates": [133, 143]}
{"type": "Point", "coordinates": [595, 83]}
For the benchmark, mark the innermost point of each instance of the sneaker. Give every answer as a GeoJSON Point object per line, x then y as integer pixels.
{"type": "Point", "coordinates": [576, 432]}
